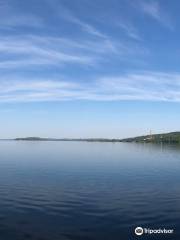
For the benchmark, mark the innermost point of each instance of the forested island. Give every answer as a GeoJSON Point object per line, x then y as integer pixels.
{"type": "Point", "coordinates": [172, 137]}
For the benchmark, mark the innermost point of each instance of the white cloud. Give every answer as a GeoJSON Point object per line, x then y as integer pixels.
{"type": "Point", "coordinates": [145, 86]}
{"type": "Point", "coordinates": [69, 16]}
{"type": "Point", "coordinates": [30, 51]}
{"type": "Point", "coordinates": [25, 51]}
{"type": "Point", "coordinates": [84, 26]}
{"type": "Point", "coordinates": [153, 9]}
{"type": "Point", "coordinates": [21, 50]}
{"type": "Point", "coordinates": [129, 29]}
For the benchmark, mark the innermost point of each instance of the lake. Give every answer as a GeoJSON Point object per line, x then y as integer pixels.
{"type": "Point", "coordinates": [83, 190]}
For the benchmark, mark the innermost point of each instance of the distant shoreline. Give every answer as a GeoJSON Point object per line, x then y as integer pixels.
{"type": "Point", "coordinates": [68, 139]}
{"type": "Point", "coordinates": [172, 137]}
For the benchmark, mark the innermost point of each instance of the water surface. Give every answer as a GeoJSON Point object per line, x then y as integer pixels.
{"type": "Point", "coordinates": [83, 190]}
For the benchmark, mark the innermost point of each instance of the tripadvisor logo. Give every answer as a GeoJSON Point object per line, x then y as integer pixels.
{"type": "Point", "coordinates": [139, 231]}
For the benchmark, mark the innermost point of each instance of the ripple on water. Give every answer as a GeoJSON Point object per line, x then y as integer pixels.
{"type": "Point", "coordinates": [92, 192]}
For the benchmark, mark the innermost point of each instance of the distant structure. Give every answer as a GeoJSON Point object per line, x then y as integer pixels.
{"type": "Point", "coordinates": [150, 135]}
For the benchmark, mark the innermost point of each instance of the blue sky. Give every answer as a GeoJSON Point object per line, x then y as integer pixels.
{"type": "Point", "coordinates": [84, 68]}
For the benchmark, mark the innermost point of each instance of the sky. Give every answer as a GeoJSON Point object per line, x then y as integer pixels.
{"type": "Point", "coordinates": [89, 68]}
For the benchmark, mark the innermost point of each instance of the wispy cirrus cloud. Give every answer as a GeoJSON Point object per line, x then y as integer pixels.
{"type": "Point", "coordinates": [129, 29]}
{"type": "Point", "coordinates": [154, 10]}
{"type": "Point", "coordinates": [32, 50]}
{"type": "Point", "coordinates": [89, 28]}
{"type": "Point", "coordinates": [19, 50]}
{"type": "Point", "coordinates": [65, 13]}
{"type": "Point", "coordinates": [144, 86]}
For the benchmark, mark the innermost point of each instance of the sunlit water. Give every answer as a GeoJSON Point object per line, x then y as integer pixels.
{"type": "Point", "coordinates": [80, 190]}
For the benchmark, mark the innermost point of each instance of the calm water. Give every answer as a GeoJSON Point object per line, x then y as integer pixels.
{"type": "Point", "coordinates": [93, 191]}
